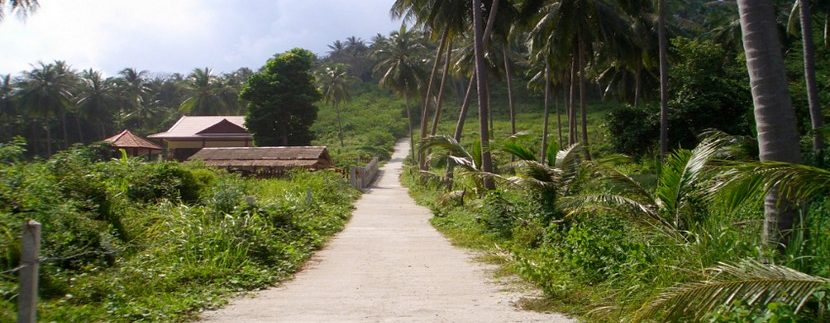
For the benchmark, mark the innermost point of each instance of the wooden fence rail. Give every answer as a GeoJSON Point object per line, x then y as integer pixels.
{"type": "Point", "coordinates": [361, 177]}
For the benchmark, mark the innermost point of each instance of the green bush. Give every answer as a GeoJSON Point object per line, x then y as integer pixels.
{"type": "Point", "coordinates": [166, 180]}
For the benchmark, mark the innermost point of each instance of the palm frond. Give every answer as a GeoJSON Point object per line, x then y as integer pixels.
{"type": "Point", "coordinates": [447, 143]}
{"type": "Point", "coordinates": [519, 151]}
{"type": "Point", "coordinates": [750, 282]}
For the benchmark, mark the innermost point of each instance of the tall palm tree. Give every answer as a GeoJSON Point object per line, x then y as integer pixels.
{"type": "Point", "coordinates": [22, 7]}
{"type": "Point", "coordinates": [67, 76]}
{"type": "Point", "coordinates": [203, 93]}
{"type": "Point", "coordinates": [568, 31]}
{"type": "Point", "coordinates": [44, 93]}
{"type": "Point", "coordinates": [808, 54]}
{"type": "Point", "coordinates": [7, 108]}
{"type": "Point", "coordinates": [133, 90]}
{"type": "Point", "coordinates": [333, 82]}
{"type": "Point", "coordinates": [774, 116]}
{"type": "Point", "coordinates": [483, 100]}
{"type": "Point", "coordinates": [664, 78]}
{"type": "Point", "coordinates": [400, 69]}
{"type": "Point", "coordinates": [96, 99]}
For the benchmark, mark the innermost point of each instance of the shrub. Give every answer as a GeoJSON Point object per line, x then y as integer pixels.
{"type": "Point", "coordinates": [166, 180]}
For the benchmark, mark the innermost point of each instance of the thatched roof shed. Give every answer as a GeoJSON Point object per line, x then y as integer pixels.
{"type": "Point", "coordinates": [266, 160]}
{"type": "Point", "coordinates": [134, 145]}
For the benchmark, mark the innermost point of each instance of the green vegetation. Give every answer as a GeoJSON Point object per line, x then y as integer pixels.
{"type": "Point", "coordinates": [125, 240]}
{"type": "Point", "coordinates": [281, 98]}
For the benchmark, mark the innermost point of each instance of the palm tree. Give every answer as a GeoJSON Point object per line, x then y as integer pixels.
{"type": "Point", "coordinates": [133, 89]}
{"type": "Point", "coordinates": [96, 98]}
{"type": "Point", "coordinates": [774, 117]}
{"type": "Point", "coordinates": [333, 82]}
{"type": "Point", "coordinates": [7, 108]}
{"type": "Point", "coordinates": [808, 52]}
{"type": "Point", "coordinates": [68, 77]}
{"type": "Point", "coordinates": [567, 31]}
{"type": "Point", "coordinates": [483, 100]}
{"type": "Point", "coordinates": [664, 78]}
{"type": "Point", "coordinates": [22, 7]}
{"type": "Point", "coordinates": [400, 69]}
{"type": "Point", "coordinates": [44, 93]}
{"type": "Point", "coordinates": [203, 93]}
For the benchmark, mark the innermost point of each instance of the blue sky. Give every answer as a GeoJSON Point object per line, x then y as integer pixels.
{"type": "Point", "coordinates": [165, 36]}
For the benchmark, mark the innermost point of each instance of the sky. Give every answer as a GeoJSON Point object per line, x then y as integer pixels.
{"type": "Point", "coordinates": [167, 36]}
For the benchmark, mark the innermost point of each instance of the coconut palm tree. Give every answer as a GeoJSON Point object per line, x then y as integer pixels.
{"type": "Point", "coordinates": [483, 100]}
{"type": "Point", "coordinates": [133, 89]}
{"type": "Point", "coordinates": [8, 110]}
{"type": "Point", "coordinates": [96, 99]}
{"type": "Point", "coordinates": [808, 54]}
{"type": "Point", "coordinates": [568, 31]}
{"type": "Point", "coordinates": [203, 93]}
{"type": "Point", "coordinates": [663, 53]}
{"type": "Point", "coordinates": [775, 120]}
{"type": "Point", "coordinates": [400, 69]}
{"type": "Point", "coordinates": [334, 82]}
{"type": "Point", "coordinates": [22, 7]}
{"type": "Point", "coordinates": [44, 93]}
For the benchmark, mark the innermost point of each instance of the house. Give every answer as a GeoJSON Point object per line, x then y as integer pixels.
{"type": "Point", "coordinates": [135, 146]}
{"type": "Point", "coordinates": [190, 134]}
{"type": "Point", "coordinates": [265, 161]}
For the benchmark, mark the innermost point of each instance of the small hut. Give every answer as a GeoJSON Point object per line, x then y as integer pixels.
{"type": "Point", "coordinates": [135, 146]}
{"type": "Point", "coordinates": [265, 161]}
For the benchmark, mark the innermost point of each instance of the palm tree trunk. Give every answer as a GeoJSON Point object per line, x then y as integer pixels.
{"type": "Point", "coordinates": [774, 116]}
{"type": "Point", "coordinates": [409, 124]}
{"type": "Point", "coordinates": [637, 76]}
{"type": "Point", "coordinates": [583, 104]}
{"type": "Point", "coordinates": [462, 117]}
{"type": "Point", "coordinates": [571, 101]}
{"type": "Point", "coordinates": [508, 72]}
{"type": "Point", "coordinates": [440, 100]}
{"type": "Point", "coordinates": [491, 113]}
{"type": "Point", "coordinates": [559, 115]}
{"type": "Point", "coordinates": [48, 138]}
{"type": "Point", "coordinates": [544, 147]}
{"type": "Point", "coordinates": [63, 129]}
{"type": "Point", "coordinates": [80, 130]}
{"type": "Point", "coordinates": [826, 29]}
{"type": "Point", "coordinates": [425, 111]}
{"type": "Point", "coordinates": [664, 79]}
{"type": "Point", "coordinates": [483, 104]}
{"type": "Point", "coordinates": [339, 124]}
{"type": "Point", "coordinates": [810, 79]}
{"type": "Point", "coordinates": [465, 106]}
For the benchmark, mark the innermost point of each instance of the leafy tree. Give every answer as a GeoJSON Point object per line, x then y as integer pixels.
{"type": "Point", "coordinates": [281, 97]}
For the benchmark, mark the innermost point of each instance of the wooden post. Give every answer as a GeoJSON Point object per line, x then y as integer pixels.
{"type": "Point", "coordinates": [27, 298]}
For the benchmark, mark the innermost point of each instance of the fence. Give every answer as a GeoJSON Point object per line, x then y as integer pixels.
{"type": "Point", "coordinates": [362, 177]}
{"type": "Point", "coordinates": [28, 272]}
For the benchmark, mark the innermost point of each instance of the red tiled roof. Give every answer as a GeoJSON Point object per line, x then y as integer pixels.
{"type": "Point", "coordinates": [127, 139]}
{"type": "Point", "coordinates": [194, 127]}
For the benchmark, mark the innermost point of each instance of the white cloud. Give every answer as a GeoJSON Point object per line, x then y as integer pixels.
{"type": "Point", "coordinates": [178, 35]}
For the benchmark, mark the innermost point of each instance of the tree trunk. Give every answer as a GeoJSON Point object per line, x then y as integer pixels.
{"type": "Point", "coordinates": [425, 111]}
{"type": "Point", "coordinates": [483, 104]}
{"type": "Point", "coordinates": [63, 129]}
{"type": "Point", "coordinates": [571, 101]}
{"type": "Point", "coordinates": [409, 124]}
{"type": "Point", "coordinates": [339, 124]}
{"type": "Point", "coordinates": [810, 79]}
{"type": "Point", "coordinates": [637, 76]}
{"type": "Point", "coordinates": [775, 120]}
{"type": "Point", "coordinates": [80, 130]}
{"type": "Point", "coordinates": [664, 79]}
{"type": "Point", "coordinates": [559, 115]}
{"type": "Point", "coordinates": [545, 117]}
{"type": "Point", "coordinates": [48, 138]}
{"type": "Point", "coordinates": [438, 104]}
{"type": "Point", "coordinates": [465, 106]}
{"type": "Point", "coordinates": [583, 104]}
{"type": "Point", "coordinates": [508, 72]}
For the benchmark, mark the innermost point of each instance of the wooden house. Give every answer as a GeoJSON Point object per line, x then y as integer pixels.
{"type": "Point", "coordinates": [265, 161]}
{"type": "Point", "coordinates": [190, 134]}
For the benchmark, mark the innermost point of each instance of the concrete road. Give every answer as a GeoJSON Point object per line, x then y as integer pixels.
{"type": "Point", "coordinates": [388, 265]}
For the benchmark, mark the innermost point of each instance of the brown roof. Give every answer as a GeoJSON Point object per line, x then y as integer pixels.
{"type": "Point", "coordinates": [293, 156]}
{"type": "Point", "coordinates": [232, 127]}
{"type": "Point", "coordinates": [127, 139]}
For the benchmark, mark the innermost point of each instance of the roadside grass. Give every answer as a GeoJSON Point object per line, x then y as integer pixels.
{"type": "Point", "coordinates": [129, 241]}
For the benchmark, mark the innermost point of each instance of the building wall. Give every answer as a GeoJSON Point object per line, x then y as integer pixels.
{"type": "Point", "coordinates": [187, 148]}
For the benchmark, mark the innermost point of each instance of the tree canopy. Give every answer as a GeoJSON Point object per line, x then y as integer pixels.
{"type": "Point", "coordinates": [281, 97]}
